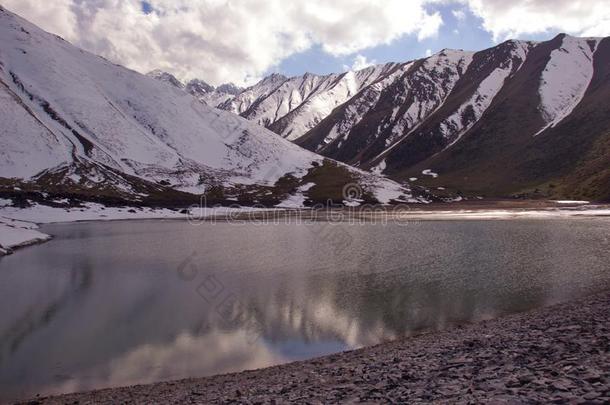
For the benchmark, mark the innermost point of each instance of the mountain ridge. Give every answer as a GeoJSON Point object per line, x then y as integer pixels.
{"type": "Point", "coordinates": [440, 114]}
{"type": "Point", "coordinates": [77, 125]}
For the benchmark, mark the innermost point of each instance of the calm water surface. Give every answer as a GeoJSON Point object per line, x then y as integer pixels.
{"type": "Point", "coordinates": [107, 304]}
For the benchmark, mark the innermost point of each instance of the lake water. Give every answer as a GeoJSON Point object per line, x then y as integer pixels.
{"type": "Point", "coordinates": [108, 304]}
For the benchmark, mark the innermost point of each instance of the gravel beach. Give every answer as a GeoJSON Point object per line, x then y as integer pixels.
{"type": "Point", "coordinates": [557, 354]}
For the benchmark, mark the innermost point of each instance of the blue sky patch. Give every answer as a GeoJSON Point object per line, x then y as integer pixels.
{"type": "Point", "coordinates": [146, 7]}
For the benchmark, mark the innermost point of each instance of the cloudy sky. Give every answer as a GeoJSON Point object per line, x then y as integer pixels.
{"type": "Point", "coordinates": [242, 40]}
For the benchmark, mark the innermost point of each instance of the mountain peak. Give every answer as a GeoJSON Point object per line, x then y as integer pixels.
{"type": "Point", "coordinates": [199, 86]}
{"type": "Point", "coordinates": [88, 127]}
{"type": "Point", "coordinates": [273, 78]}
{"type": "Point", "coordinates": [561, 36]}
{"type": "Point", "coordinates": [165, 77]}
{"type": "Point", "coordinates": [229, 88]}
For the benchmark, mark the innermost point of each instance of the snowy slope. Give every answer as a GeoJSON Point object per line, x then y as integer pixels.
{"type": "Point", "coordinates": [470, 112]}
{"type": "Point", "coordinates": [319, 101]}
{"type": "Point", "coordinates": [35, 151]}
{"type": "Point", "coordinates": [359, 106]}
{"type": "Point", "coordinates": [566, 78]}
{"type": "Point", "coordinates": [75, 119]}
{"type": "Point", "coordinates": [289, 106]}
{"type": "Point", "coordinates": [387, 118]}
{"type": "Point", "coordinates": [247, 98]}
{"type": "Point", "coordinates": [166, 77]}
{"type": "Point", "coordinates": [388, 110]}
{"type": "Point", "coordinates": [210, 95]}
{"type": "Point", "coordinates": [104, 113]}
{"type": "Point", "coordinates": [204, 92]}
{"type": "Point", "coordinates": [425, 91]}
{"type": "Point", "coordinates": [426, 106]}
{"type": "Point", "coordinates": [400, 119]}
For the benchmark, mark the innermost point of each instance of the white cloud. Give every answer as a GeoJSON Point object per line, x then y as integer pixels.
{"type": "Point", "coordinates": [519, 18]}
{"type": "Point", "coordinates": [428, 53]}
{"type": "Point", "coordinates": [224, 40]}
{"type": "Point", "coordinates": [459, 15]}
{"type": "Point", "coordinates": [227, 40]}
{"type": "Point", "coordinates": [55, 16]}
{"type": "Point", "coordinates": [360, 62]}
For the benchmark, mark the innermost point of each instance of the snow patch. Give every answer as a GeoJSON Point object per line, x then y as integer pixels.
{"type": "Point", "coordinates": [434, 81]}
{"type": "Point", "coordinates": [15, 233]}
{"type": "Point", "coordinates": [455, 126]}
{"type": "Point", "coordinates": [565, 79]}
{"type": "Point", "coordinates": [505, 214]}
{"type": "Point", "coordinates": [297, 199]}
{"type": "Point", "coordinates": [572, 202]}
{"type": "Point", "coordinates": [380, 167]}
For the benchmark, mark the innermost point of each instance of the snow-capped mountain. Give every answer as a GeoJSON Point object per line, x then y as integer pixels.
{"type": "Point", "coordinates": [166, 77]}
{"type": "Point", "coordinates": [402, 103]}
{"type": "Point", "coordinates": [470, 115]}
{"type": "Point", "coordinates": [204, 92]}
{"type": "Point", "coordinates": [210, 95]}
{"type": "Point", "coordinates": [292, 106]}
{"type": "Point", "coordinates": [288, 106]}
{"type": "Point", "coordinates": [529, 118]}
{"type": "Point", "coordinates": [74, 123]}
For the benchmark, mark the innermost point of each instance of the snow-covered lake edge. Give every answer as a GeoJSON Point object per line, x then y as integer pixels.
{"type": "Point", "coordinates": [474, 214]}
{"type": "Point", "coordinates": [19, 227]}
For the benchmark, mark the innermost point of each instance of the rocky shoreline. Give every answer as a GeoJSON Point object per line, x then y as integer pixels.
{"type": "Point", "coordinates": [557, 354]}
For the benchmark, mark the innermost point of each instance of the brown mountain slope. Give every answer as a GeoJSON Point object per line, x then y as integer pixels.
{"type": "Point", "coordinates": [501, 156]}
{"type": "Point", "coordinates": [519, 119]}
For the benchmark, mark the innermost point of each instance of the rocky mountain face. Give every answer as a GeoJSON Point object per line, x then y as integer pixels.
{"type": "Point", "coordinates": [210, 95]}
{"type": "Point", "coordinates": [292, 106]}
{"type": "Point", "coordinates": [75, 124]}
{"type": "Point", "coordinates": [288, 106]}
{"type": "Point", "coordinates": [520, 119]}
{"type": "Point", "coordinates": [523, 118]}
{"type": "Point", "coordinates": [168, 78]}
{"type": "Point", "coordinates": [204, 92]}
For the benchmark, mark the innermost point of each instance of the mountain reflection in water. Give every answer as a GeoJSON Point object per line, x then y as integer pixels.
{"type": "Point", "coordinates": [108, 304]}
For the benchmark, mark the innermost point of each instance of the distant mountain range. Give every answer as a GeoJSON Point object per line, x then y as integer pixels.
{"type": "Point", "coordinates": [76, 125]}
{"type": "Point", "coordinates": [288, 106]}
{"type": "Point", "coordinates": [521, 119]}
{"type": "Point", "coordinates": [204, 92]}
